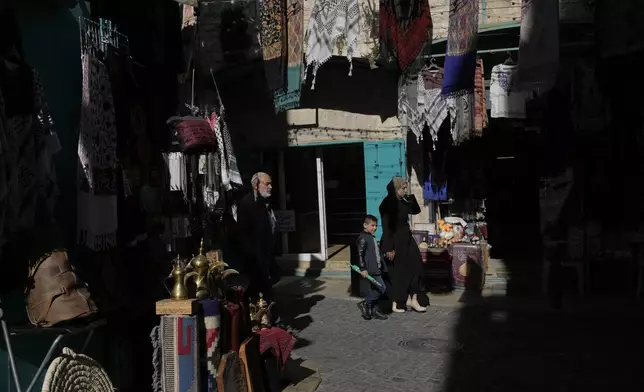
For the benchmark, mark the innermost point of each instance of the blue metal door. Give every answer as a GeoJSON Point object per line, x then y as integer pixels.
{"type": "Point", "coordinates": [382, 161]}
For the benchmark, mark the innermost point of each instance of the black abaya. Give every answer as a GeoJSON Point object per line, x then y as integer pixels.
{"type": "Point", "coordinates": [406, 267]}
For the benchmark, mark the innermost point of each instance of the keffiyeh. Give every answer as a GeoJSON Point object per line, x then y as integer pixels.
{"type": "Point", "coordinates": [330, 20]}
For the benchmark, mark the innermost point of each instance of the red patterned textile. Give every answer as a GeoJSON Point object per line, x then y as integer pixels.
{"type": "Point", "coordinates": [278, 341]}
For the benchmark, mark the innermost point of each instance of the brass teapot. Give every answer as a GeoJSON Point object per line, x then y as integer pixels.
{"type": "Point", "coordinates": [179, 288]}
{"type": "Point", "coordinates": [260, 314]}
{"type": "Point", "coordinates": [208, 272]}
{"type": "Point", "coordinates": [199, 273]}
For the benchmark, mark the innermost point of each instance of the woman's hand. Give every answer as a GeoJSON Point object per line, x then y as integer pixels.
{"type": "Point", "coordinates": [391, 255]}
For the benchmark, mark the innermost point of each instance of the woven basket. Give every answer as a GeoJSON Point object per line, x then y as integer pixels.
{"type": "Point", "coordinates": [73, 372]}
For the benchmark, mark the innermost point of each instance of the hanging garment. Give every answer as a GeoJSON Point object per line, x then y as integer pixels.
{"type": "Point", "coordinates": [408, 113]}
{"type": "Point", "coordinates": [538, 45]}
{"type": "Point", "coordinates": [272, 34]}
{"type": "Point", "coordinates": [231, 158]}
{"type": "Point", "coordinates": [619, 26]}
{"type": "Point", "coordinates": [461, 113]}
{"type": "Point", "coordinates": [462, 36]}
{"type": "Point", "coordinates": [288, 97]}
{"type": "Point", "coordinates": [435, 105]}
{"type": "Point", "coordinates": [405, 28]}
{"type": "Point", "coordinates": [480, 107]}
{"type": "Point", "coordinates": [97, 200]}
{"type": "Point", "coordinates": [330, 20]}
{"type": "Point", "coordinates": [29, 145]}
{"type": "Point", "coordinates": [590, 109]}
{"type": "Point", "coordinates": [506, 100]}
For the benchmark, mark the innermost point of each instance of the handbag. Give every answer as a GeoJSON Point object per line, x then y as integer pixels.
{"type": "Point", "coordinates": [55, 293]}
{"type": "Point", "coordinates": [193, 133]}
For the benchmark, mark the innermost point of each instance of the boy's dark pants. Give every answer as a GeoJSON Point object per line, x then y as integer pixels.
{"type": "Point", "coordinates": [375, 292]}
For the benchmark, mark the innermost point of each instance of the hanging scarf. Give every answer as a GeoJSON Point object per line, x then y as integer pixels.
{"type": "Point", "coordinates": [462, 35]}
{"type": "Point", "coordinates": [405, 28]}
{"type": "Point", "coordinates": [538, 45]}
{"type": "Point", "coordinates": [97, 201]}
{"type": "Point", "coordinates": [289, 96]}
{"type": "Point", "coordinates": [461, 112]}
{"type": "Point", "coordinates": [331, 19]}
{"type": "Point", "coordinates": [435, 105]}
{"type": "Point", "coordinates": [272, 35]}
{"type": "Point", "coordinates": [408, 113]}
{"type": "Point", "coordinates": [480, 107]}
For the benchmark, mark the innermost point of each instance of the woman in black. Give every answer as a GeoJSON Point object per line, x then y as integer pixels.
{"type": "Point", "coordinates": [400, 248]}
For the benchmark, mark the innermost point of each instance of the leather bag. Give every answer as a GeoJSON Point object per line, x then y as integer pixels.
{"type": "Point", "coordinates": [55, 293]}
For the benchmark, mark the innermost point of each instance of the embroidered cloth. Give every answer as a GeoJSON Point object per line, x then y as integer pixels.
{"type": "Point", "coordinates": [538, 45]}
{"type": "Point", "coordinates": [212, 323]}
{"type": "Point", "coordinates": [461, 113]}
{"type": "Point", "coordinates": [272, 33]}
{"type": "Point", "coordinates": [462, 36]}
{"type": "Point", "coordinates": [330, 20]}
{"type": "Point", "coordinates": [405, 28]}
{"type": "Point", "coordinates": [278, 341]}
{"type": "Point", "coordinates": [480, 107]}
{"type": "Point", "coordinates": [97, 198]}
{"type": "Point", "coordinates": [506, 100]}
{"type": "Point", "coordinates": [288, 97]}
{"type": "Point", "coordinates": [435, 105]}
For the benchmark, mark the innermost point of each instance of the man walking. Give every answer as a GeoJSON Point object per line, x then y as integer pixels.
{"type": "Point", "coordinates": [257, 226]}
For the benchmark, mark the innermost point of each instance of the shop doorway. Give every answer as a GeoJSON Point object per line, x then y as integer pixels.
{"type": "Point", "coordinates": [345, 201]}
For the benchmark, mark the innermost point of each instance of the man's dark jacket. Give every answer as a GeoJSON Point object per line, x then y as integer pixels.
{"type": "Point", "coordinates": [256, 235]}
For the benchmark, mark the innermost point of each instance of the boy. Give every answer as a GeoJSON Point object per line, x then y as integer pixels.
{"type": "Point", "coordinates": [371, 263]}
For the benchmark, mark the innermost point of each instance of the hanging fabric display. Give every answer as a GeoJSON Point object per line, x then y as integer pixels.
{"type": "Point", "coordinates": [97, 194]}
{"type": "Point", "coordinates": [405, 28]}
{"type": "Point", "coordinates": [272, 34]}
{"type": "Point", "coordinates": [462, 36]}
{"type": "Point", "coordinates": [461, 113]}
{"type": "Point", "coordinates": [409, 114]}
{"type": "Point", "coordinates": [330, 20]}
{"type": "Point", "coordinates": [480, 107]}
{"type": "Point", "coordinates": [435, 105]}
{"type": "Point", "coordinates": [288, 97]}
{"type": "Point", "coordinates": [506, 100]}
{"type": "Point", "coordinates": [538, 46]}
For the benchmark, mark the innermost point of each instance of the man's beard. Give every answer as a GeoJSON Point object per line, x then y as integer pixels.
{"type": "Point", "coordinates": [264, 195]}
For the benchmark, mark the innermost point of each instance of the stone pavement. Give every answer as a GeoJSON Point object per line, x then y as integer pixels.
{"type": "Point", "coordinates": [488, 346]}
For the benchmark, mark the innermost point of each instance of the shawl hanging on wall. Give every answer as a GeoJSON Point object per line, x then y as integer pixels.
{"type": "Point", "coordinates": [538, 45]}
{"type": "Point", "coordinates": [330, 20]}
{"type": "Point", "coordinates": [272, 34]}
{"type": "Point", "coordinates": [480, 107]}
{"type": "Point", "coordinates": [405, 28]}
{"type": "Point", "coordinates": [435, 105]}
{"type": "Point", "coordinates": [288, 97]}
{"type": "Point", "coordinates": [408, 112]}
{"type": "Point", "coordinates": [97, 196]}
{"type": "Point", "coordinates": [461, 113]}
{"type": "Point", "coordinates": [462, 36]}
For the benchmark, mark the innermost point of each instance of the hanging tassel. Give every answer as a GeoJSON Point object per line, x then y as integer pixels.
{"type": "Point", "coordinates": [350, 68]}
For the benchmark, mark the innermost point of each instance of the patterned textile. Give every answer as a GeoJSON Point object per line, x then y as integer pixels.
{"type": "Point", "coordinates": [506, 100]}
{"type": "Point", "coordinates": [231, 158]}
{"type": "Point", "coordinates": [97, 200]}
{"type": "Point", "coordinates": [538, 45]}
{"type": "Point", "coordinates": [480, 108]}
{"type": "Point", "coordinates": [435, 105]}
{"type": "Point", "coordinates": [272, 34]}
{"type": "Point", "coordinates": [278, 341]}
{"type": "Point", "coordinates": [157, 360]}
{"type": "Point", "coordinates": [331, 19]}
{"type": "Point", "coordinates": [212, 323]}
{"type": "Point", "coordinates": [176, 164]}
{"type": "Point", "coordinates": [179, 335]}
{"type": "Point", "coordinates": [462, 36]}
{"type": "Point", "coordinates": [288, 97]}
{"type": "Point", "coordinates": [461, 112]}
{"type": "Point", "coordinates": [405, 28]}
{"type": "Point", "coordinates": [28, 144]}
{"type": "Point", "coordinates": [408, 113]}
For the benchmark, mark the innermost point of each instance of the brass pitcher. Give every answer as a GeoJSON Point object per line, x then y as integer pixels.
{"type": "Point", "coordinates": [199, 273]}
{"type": "Point", "coordinates": [179, 288]}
